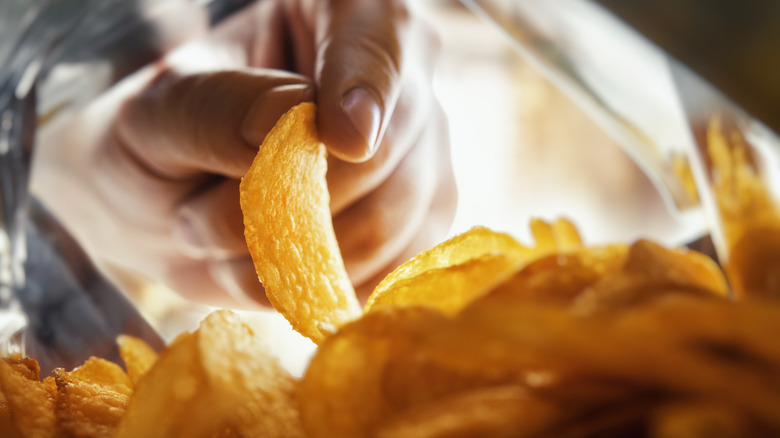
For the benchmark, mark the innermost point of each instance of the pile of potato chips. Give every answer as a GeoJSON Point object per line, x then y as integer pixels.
{"type": "Point", "coordinates": [480, 336]}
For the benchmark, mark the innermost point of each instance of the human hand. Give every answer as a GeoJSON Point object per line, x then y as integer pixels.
{"type": "Point", "coordinates": [155, 164]}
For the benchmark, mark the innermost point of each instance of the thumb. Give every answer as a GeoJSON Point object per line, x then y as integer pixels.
{"type": "Point", "coordinates": [182, 126]}
{"type": "Point", "coordinates": [358, 75]}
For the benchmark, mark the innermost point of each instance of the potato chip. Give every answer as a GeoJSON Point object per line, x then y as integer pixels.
{"type": "Point", "coordinates": [560, 278]}
{"type": "Point", "coordinates": [680, 343]}
{"type": "Point", "coordinates": [701, 419]}
{"type": "Point", "coordinates": [32, 403]}
{"type": "Point", "coordinates": [137, 355]}
{"type": "Point", "coordinates": [169, 399]}
{"type": "Point", "coordinates": [502, 411]}
{"type": "Point", "coordinates": [561, 236]}
{"type": "Point", "coordinates": [754, 263]}
{"type": "Point", "coordinates": [345, 376]}
{"type": "Point", "coordinates": [425, 278]}
{"type": "Point", "coordinates": [91, 403]}
{"type": "Point", "coordinates": [462, 268]}
{"type": "Point", "coordinates": [470, 245]}
{"type": "Point", "coordinates": [289, 230]}
{"type": "Point", "coordinates": [102, 373]}
{"type": "Point", "coordinates": [92, 398]}
{"type": "Point", "coordinates": [651, 270]}
{"type": "Point", "coordinates": [26, 366]}
{"type": "Point", "coordinates": [8, 428]}
{"type": "Point", "coordinates": [218, 381]}
{"type": "Point", "coordinates": [449, 289]}
{"type": "Point", "coordinates": [243, 375]}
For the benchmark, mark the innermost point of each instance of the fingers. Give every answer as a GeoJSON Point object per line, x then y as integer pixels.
{"type": "Point", "coordinates": [415, 113]}
{"type": "Point", "coordinates": [359, 71]}
{"type": "Point", "coordinates": [209, 223]}
{"type": "Point", "coordinates": [231, 283]}
{"type": "Point", "coordinates": [376, 229]}
{"type": "Point", "coordinates": [239, 278]}
{"type": "Point", "coordinates": [182, 127]}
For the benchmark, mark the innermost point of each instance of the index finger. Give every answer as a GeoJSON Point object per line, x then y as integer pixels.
{"type": "Point", "coordinates": [180, 127]}
{"type": "Point", "coordinates": [358, 72]}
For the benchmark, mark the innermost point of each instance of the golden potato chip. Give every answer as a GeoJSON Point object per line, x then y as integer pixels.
{"type": "Point", "coordinates": [398, 288]}
{"type": "Point", "coordinates": [137, 355]}
{"type": "Point", "coordinates": [501, 411]}
{"type": "Point", "coordinates": [102, 373]}
{"type": "Point", "coordinates": [450, 288]}
{"type": "Point", "coordinates": [701, 419]}
{"type": "Point", "coordinates": [562, 235]}
{"type": "Point", "coordinates": [289, 230]}
{"type": "Point", "coordinates": [346, 375]}
{"type": "Point", "coordinates": [472, 244]}
{"type": "Point", "coordinates": [218, 381]}
{"type": "Point", "coordinates": [168, 401]}
{"type": "Point", "coordinates": [32, 403]}
{"type": "Point", "coordinates": [680, 343]}
{"type": "Point", "coordinates": [88, 403]}
{"type": "Point", "coordinates": [92, 398]}
{"type": "Point", "coordinates": [26, 366]}
{"type": "Point", "coordinates": [651, 270]}
{"type": "Point", "coordinates": [451, 274]}
{"type": "Point", "coordinates": [8, 428]}
{"type": "Point", "coordinates": [243, 375]}
{"type": "Point", "coordinates": [753, 264]}
{"type": "Point", "coordinates": [560, 278]}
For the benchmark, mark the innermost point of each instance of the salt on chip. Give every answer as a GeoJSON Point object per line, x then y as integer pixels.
{"type": "Point", "coordinates": [289, 230]}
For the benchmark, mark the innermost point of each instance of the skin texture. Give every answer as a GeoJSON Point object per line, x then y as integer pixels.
{"type": "Point", "coordinates": [146, 177]}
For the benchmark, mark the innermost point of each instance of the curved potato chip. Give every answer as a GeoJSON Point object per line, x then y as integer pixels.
{"type": "Point", "coordinates": [560, 278]}
{"type": "Point", "coordinates": [218, 381]}
{"type": "Point", "coordinates": [346, 374]}
{"type": "Point", "coordinates": [473, 244]}
{"type": "Point", "coordinates": [289, 230]}
{"type": "Point", "coordinates": [449, 289]}
{"type": "Point", "coordinates": [649, 271]}
{"type": "Point", "coordinates": [451, 274]}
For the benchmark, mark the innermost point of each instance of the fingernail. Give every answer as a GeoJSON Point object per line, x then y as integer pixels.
{"type": "Point", "coordinates": [363, 111]}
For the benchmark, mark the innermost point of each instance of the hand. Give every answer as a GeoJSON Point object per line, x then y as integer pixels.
{"type": "Point", "coordinates": [151, 170]}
